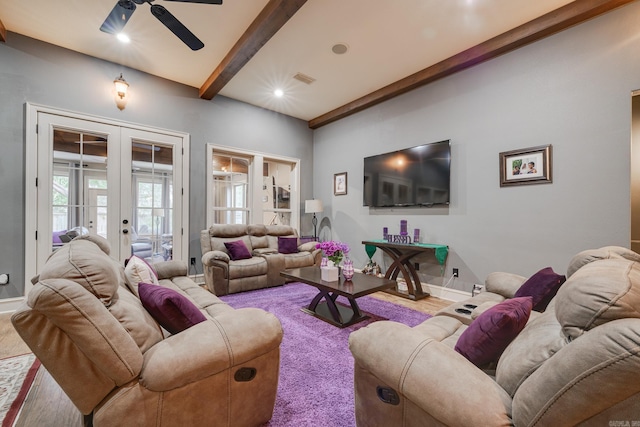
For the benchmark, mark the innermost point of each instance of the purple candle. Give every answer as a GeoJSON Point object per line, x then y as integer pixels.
{"type": "Point", "coordinates": [403, 227]}
{"type": "Point", "coordinates": [385, 233]}
{"type": "Point", "coordinates": [416, 235]}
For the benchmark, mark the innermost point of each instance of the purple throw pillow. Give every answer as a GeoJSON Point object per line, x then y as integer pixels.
{"type": "Point", "coordinates": [488, 336]}
{"type": "Point", "coordinates": [56, 236]}
{"type": "Point", "coordinates": [237, 250]}
{"type": "Point", "coordinates": [172, 311]}
{"type": "Point", "coordinates": [541, 287]}
{"type": "Point", "coordinates": [287, 245]}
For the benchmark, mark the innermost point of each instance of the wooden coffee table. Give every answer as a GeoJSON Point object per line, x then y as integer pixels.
{"type": "Point", "coordinates": [327, 310]}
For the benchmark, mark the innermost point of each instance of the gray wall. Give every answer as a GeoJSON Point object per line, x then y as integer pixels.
{"type": "Point", "coordinates": [36, 72]}
{"type": "Point", "coordinates": [571, 90]}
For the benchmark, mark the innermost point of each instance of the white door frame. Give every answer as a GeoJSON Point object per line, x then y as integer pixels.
{"type": "Point", "coordinates": [31, 176]}
{"type": "Point", "coordinates": [255, 192]}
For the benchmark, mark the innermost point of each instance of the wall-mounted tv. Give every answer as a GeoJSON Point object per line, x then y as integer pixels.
{"type": "Point", "coordinates": [416, 176]}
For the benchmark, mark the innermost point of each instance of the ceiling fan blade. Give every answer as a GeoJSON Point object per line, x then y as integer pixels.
{"type": "Point", "coordinates": [199, 1]}
{"type": "Point", "coordinates": [176, 27]}
{"type": "Point", "coordinates": [118, 17]}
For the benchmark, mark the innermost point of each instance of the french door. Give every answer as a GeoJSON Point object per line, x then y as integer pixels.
{"type": "Point", "coordinates": [117, 181]}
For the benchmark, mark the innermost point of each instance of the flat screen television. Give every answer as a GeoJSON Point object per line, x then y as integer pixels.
{"type": "Point", "coordinates": [416, 176]}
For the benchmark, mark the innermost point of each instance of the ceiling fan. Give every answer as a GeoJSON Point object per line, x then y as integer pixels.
{"type": "Point", "coordinates": [123, 10]}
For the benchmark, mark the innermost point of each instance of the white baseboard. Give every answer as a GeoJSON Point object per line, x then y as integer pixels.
{"type": "Point", "coordinates": [446, 293]}
{"type": "Point", "coordinates": [9, 305]}
{"type": "Point", "coordinates": [439, 291]}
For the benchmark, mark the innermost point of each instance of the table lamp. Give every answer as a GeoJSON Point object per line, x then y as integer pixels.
{"type": "Point", "coordinates": [313, 206]}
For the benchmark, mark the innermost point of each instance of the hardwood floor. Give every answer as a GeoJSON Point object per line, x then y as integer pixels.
{"type": "Point", "coordinates": [428, 305]}
{"type": "Point", "coordinates": [10, 342]}
{"type": "Point", "coordinates": [48, 406]}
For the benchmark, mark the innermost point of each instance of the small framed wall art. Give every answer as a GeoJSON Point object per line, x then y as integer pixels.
{"type": "Point", "coordinates": [526, 166]}
{"type": "Point", "coordinates": [340, 184]}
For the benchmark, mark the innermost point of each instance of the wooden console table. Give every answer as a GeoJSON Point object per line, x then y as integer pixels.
{"type": "Point", "coordinates": [401, 255]}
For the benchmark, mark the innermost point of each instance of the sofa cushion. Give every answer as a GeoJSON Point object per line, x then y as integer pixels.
{"type": "Point", "coordinates": [281, 230]}
{"type": "Point", "coordinates": [237, 250]}
{"type": "Point", "coordinates": [486, 338]}
{"type": "Point", "coordinates": [84, 262]}
{"type": "Point", "coordinates": [298, 259]}
{"type": "Point", "coordinates": [173, 311]}
{"type": "Point", "coordinates": [539, 340]}
{"type": "Point", "coordinates": [597, 293]}
{"type": "Point", "coordinates": [218, 234]}
{"type": "Point", "coordinates": [257, 230]}
{"type": "Point", "coordinates": [607, 252]}
{"type": "Point", "coordinates": [137, 321]}
{"type": "Point", "coordinates": [259, 242]}
{"type": "Point", "coordinates": [287, 245]}
{"type": "Point", "coordinates": [255, 266]}
{"type": "Point", "coordinates": [541, 287]}
{"type": "Point", "coordinates": [138, 270]}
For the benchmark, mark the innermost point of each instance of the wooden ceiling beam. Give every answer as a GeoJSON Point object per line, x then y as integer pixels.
{"type": "Point", "coordinates": [3, 32]}
{"type": "Point", "coordinates": [273, 17]}
{"type": "Point", "coordinates": [546, 25]}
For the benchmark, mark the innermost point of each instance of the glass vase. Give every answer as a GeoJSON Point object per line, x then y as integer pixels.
{"type": "Point", "coordinates": [347, 269]}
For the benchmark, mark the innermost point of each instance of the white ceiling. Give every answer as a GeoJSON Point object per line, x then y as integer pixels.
{"type": "Point", "coordinates": [388, 40]}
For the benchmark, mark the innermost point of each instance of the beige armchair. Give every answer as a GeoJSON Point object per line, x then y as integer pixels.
{"type": "Point", "coordinates": [577, 363]}
{"type": "Point", "coordinates": [119, 367]}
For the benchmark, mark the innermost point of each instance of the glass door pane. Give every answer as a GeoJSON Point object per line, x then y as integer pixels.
{"type": "Point", "coordinates": [152, 200]}
{"type": "Point", "coordinates": [78, 185]}
{"type": "Point", "coordinates": [230, 190]}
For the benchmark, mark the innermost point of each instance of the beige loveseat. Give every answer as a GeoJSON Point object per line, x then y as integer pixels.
{"type": "Point", "coordinates": [110, 356]}
{"type": "Point", "coordinates": [224, 276]}
{"type": "Point", "coordinates": [576, 363]}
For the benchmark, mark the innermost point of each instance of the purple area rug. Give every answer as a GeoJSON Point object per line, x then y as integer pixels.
{"type": "Point", "coordinates": [316, 367]}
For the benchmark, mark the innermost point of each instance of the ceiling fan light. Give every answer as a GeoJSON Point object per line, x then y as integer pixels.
{"type": "Point", "coordinates": [123, 38]}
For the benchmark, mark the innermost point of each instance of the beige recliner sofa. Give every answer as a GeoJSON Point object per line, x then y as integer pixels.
{"type": "Point", "coordinates": [223, 276]}
{"type": "Point", "coordinates": [91, 332]}
{"type": "Point", "coordinates": [577, 363]}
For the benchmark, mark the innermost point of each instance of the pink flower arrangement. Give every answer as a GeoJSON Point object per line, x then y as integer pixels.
{"type": "Point", "coordinates": [335, 251]}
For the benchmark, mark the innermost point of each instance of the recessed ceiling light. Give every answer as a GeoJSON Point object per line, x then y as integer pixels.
{"type": "Point", "coordinates": [123, 38]}
{"type": "Point", "coordinates": [340, 48]}
{"type": "Point", "coordinates": [278, 93]}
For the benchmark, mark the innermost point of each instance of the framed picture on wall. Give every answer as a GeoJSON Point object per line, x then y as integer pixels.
{"type": "Point", "coordinates": [526, 166]}
{"type": "Point", "coordinates": [340, 184]}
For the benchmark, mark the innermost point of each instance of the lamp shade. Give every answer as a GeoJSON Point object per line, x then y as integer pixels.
{"type": "Point", "coordinates": [312, 206]}
{"type": "Point", "coordinates": [158, 212]}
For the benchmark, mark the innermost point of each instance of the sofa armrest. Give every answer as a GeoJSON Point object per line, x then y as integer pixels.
{"type": "Point", "coordinates": [307, 247]}
{"type": "Point", "coordinates": [210, 258]}
{"type": "Point", "coordinates": [227, 340]}
{"type": "Point", "coordinates": [430, 374]}
{"type": "Point", "coordinates": [505, 284]}
{"type": "Point", "coordinates": [482, 308]}
{"type": "Point", "coordinates": [170, 269]}
{"type": "Point", "coordinates": [264, 251]}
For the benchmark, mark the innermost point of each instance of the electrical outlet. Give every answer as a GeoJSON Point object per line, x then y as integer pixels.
{"type": "Point", "coordinates": [416, 265]}
{"type": "Point", "coordinates": [193, 261]}
{"type": "Point", "coordinates": [455, 272]}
